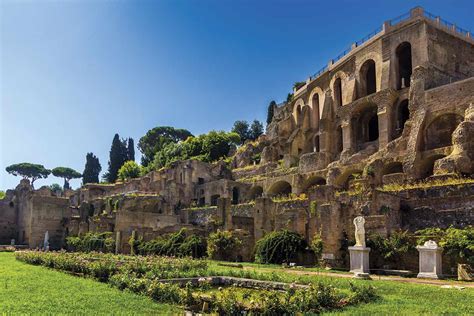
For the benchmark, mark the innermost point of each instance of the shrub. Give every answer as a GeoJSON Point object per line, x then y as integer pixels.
{"type": "Point", "coordinates": [176, 245]}
{"type": "Point", "coordinates": [129, 170]}
{"type": "Point", "coordinates": [457, 242]}
{"type": "Point", "coordinates": [223, 245]}
{"type": "Point", "coordinates": [317, 245]}
{"type": "Point", "coordinates": [362, 294]}
{"type": "Point", "coordinates": [279, 246]}
{"type": "Point", "coordinates": [103, 242]}
{"type": "Point", "coordinates": [393, 247]}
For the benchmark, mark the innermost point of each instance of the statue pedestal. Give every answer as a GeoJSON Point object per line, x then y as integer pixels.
{"type": "Point", "coordinates": [430, 260]}
{"type": "Point", "coordinates": [360, 261]}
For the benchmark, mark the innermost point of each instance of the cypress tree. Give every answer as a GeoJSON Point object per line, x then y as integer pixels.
{"type": "Point", "coordinates": [117, 157]}
{"type": "Point", "coordinates": [91, 170]}
{"type": "Point", "coordinates": [131, 150]}
{"type": "Point", "coordinates": [271, 108]}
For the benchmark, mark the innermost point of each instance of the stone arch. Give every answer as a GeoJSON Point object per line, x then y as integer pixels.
{"type": "Point", "coordinates": [316, 144]}
{"type": "Point", "coordinates": [402, 115]}
{"type": "Point", "coordinates": [438, 133]}
{"type": "Point", "coordinates": [280, 188]}
{"type": "Point", "coordinates": [312, 181]}
{"type": "Point", "coordinates": [392, 167]}
{"type": "Point", "coordinates": [214, 199]}
{"type": "Point", "coordinates": [343, 179]}
{"type": "Point", "coordinates": [338, 90]}
{"type": "Point", "coordinates": [316, 103]}
{"type": "Point", "coordinates": [404, 66]}
{"type": "Point", "coordinates": [298, 111]}
{"type": "Point", "coordinates": [367, 78]}
{"type": "Point", "coordinates": [365, 125]}
{"type": "Point", "coordinates": [255, 192]}
{"type": "Point", "coordinates": [427, 165]}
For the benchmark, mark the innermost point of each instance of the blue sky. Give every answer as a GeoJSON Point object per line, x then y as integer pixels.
{"type": "Point", "coordinates": [74, 73]}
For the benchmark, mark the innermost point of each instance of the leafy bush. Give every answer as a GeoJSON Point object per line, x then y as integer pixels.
{"type": "Point", "coordinates": [457, 242]}
{"type": "Point", "coordinates": [393, 247]}
{"type": "Point", "coordinates": [129, 170]}
{"type": "Point", "coordinates": [175, 244]}
{"type": "Point", "coordinates": [103, 242]}
{"type": "Point", "coordinates": [317, 245]}
{"type": "Point", "coordinates": [362, 294]}
{"type": "Point", "coordinates": [279, 246]}
{"type": "Point", "coordinates": [223, 245]}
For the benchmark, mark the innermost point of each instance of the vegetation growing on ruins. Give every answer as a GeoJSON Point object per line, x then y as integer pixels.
{"type": "Point", "coordinates": [129, 170]}
{"type": "Point", "coordinates": [246, 131]}
{"type": "Point", "coordinates": [425, 184]}
{"type": "Point", "coordinates": [2, 195]}
{"type": "Point", "coordinates": [279, 246]}
{"type": "Point", "coordinates": [393, 247]}
{"type": "Point", "coordinates": [156, 139]}
{"type": "Point", "coordinates": [456, 242]}
{"type": "Point", "coordinates": [223, 245]}
{"type": "Point", "coordinates": [206, 147]}
{"type": "Point", "coordinates": [91, 241]}
{"type": "Point", "coordinates": [178, 244]}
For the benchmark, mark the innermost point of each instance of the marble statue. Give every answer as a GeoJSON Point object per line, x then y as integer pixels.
{"type": "Point", "coordinates": [359, 222]}
{"type": "Point", "coordinates": [46, 241]}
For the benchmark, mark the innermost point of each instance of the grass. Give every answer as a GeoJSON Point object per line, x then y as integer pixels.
{"type": "Point", "coordinates": [28, 289]}
{"type": "Point", "coordinates": [395, 187]}
{"type": "Point", "coordinates": [397, 298]}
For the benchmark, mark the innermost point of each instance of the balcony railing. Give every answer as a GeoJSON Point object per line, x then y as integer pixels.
{"type": "Point", "coordinates": [399, 19]}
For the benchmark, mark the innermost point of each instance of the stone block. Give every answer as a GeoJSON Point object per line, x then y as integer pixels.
{"type": "Point", "coordinates": [430, 260]}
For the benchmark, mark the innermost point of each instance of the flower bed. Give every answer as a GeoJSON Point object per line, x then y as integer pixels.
{"type": "Point", "coordinates": [145, 275]}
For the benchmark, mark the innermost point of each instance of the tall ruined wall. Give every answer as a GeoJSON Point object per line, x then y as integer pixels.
{"type": "Point", "coordinates": [8, 219]}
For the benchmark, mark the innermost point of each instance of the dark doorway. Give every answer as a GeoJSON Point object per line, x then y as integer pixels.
{"type": "Point", "coordinates": [404, 64]}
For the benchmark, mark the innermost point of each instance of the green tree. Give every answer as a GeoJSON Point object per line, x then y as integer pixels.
{"type": "Point", "coordinates": [56, 188]}
{"type": "Point", "coordinates": [29, 171]}
{"type": "Point", "coordinates": [271, 111]}
{"type": "Point", "coordinates": [242, 129]}
{"type": "Point", "coordinates": [256, 129]}
{"type": "Point", "coordinates": [117, 157]}
{"type": "Point", "coordinates": [91, 169]}
{"type": "Point", "coordinates": [157, 138]}
{"type": "Point", "coordinates": [2, 195]}
{"type": "Point", "coordinates": [131, 149]}
{"type": "Point", "coordinates": [207, 147]}
{"type": "Point", "coordinates": [129, 170]}
{"type": "Point", "coordinates": [67, 174]}
{"type": "Point", "coordinates": [289, 97]}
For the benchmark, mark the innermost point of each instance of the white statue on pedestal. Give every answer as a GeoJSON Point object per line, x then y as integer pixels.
{"type": "Point", "coordinates": [359, 222]}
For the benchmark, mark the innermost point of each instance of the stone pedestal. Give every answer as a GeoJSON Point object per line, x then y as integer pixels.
{"type": "Point", "coordinates": [359, 261]}
{"type": "Point", "coordinates": [430, 260]}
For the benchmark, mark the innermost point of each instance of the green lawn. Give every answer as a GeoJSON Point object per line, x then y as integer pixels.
{"type": "Point", "coordinates": [28, 289]}
{"type": "Point", "coordinates": [396, 298]}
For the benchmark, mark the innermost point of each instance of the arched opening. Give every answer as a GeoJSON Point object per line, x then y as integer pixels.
{"type": "Point", "coordinates": [403, 114]}
{"type": "Point", "coordinates": [280, 188]}
{"type": "Point", "coordinates": [214, 199]}
{"type": "Point", "coordinates": [315, 109]}
{"type": "Point", "coordinates": [312, 182]}
{"type": "Point", "coordinates": [316, 147]}
{"type": "Point", "coordinates": [366, 125]}
{"type": "Point", "coordinates": [368, 79]}
{"type": "Point", "coordinates": [394, 167]}
{"type": "Point", "coordinates": [427, 166]}
{"type": "Point", "coordinates": [235, 195]}
{"type": "Point", "coordinates": [339, 140]}
{"type": "Point", "coordinates": [297, 113]}
{"type": "Point", "coordinates": [404, 65]}
{"type": "Point", "coordinates": [255, 192]}
{"type": "Point", "coordinates": [439, 132]}
{"type": "Point", "coordinates": [338, 92]}
{"type": "Point", "coordinates": [344, 179]}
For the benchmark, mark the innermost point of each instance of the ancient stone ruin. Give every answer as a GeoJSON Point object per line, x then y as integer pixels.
{"type": "Point", "coordinates": [396, 108]}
